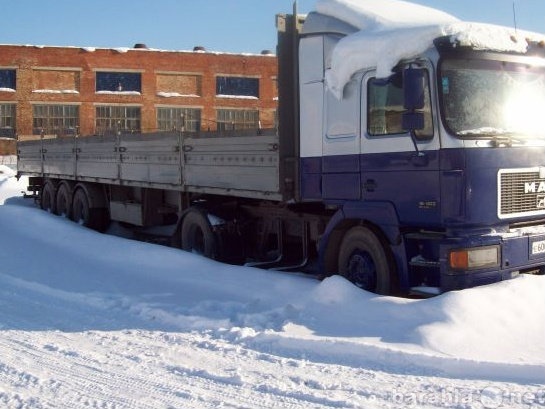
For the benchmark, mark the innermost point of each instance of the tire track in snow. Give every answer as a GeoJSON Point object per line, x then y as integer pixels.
{"type": "Point", "coordinates": [51, 368]}
{"type": "Point", "coordinates": [151, 369]}
{"type": "Point", "coordinates": [94, 380]}
{"type": "Point", "coordinates": [58, 363]}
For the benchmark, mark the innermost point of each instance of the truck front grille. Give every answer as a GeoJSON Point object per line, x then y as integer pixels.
{"type": "Point", "coordinates": [521, 192]}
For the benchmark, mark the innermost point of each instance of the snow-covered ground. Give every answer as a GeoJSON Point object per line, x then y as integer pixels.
{"type": "Point", "coordinates": [96, 321]}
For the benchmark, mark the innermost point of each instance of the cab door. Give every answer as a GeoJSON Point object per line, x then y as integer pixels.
{"type": "Point", "coordinates": [394, 166]}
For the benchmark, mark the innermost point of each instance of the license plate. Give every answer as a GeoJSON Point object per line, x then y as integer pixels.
{"type": "Point", "coordinates": [538, 247]}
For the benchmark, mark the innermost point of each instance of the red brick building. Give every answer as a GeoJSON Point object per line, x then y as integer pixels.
{"type": "Point", "coordinates": [56, 91]}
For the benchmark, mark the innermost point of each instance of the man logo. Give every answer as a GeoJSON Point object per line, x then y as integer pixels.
{"type": "Point", "coordinates": [540, 202]}
{"type": "Point", "coordinates": [534, 187]}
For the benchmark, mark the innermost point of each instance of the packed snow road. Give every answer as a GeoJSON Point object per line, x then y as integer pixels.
{"type": "Point", "coordinates": [97, 321]}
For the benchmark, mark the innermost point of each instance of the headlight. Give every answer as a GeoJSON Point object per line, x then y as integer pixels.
{"type": "Point", "coordinates": [474, 258]}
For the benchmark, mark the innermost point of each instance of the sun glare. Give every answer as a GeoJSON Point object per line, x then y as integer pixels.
{"type": "Point", "coordinates": [524, 109]}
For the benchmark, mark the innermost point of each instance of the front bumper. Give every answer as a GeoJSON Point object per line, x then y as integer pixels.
{"type": "Point", "coordinates": [520, 251]}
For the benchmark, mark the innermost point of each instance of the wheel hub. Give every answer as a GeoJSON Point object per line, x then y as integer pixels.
{"type": "Point", "coordinates": [362, 270]}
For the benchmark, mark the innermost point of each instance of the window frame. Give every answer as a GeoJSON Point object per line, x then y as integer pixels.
{"type": "Point", "coordinates": [10, 76]}
{"type": "Point", "coordinates": [237, 123]}
{"type": "Point", "coordinates": [235, 86]}
{"type": "Point", "coordinates": [55, 119]}
{"type": "Point", "coordinates": [127, 82]}
{"type": "Point", "coordinates": [8, 120]}
{"type": "Point", "coordinates": [117, 121]}
{"type": "Point", "coordinates": [169, 118]}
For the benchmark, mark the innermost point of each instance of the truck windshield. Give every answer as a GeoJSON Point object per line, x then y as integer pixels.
{"type": "Point", "coordinates": [491, 98]}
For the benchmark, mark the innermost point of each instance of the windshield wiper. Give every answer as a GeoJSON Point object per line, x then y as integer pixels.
{"type": "Point", "coordinates": [486, 131]}
{"type": "Point", "coordinates": [500, 137]}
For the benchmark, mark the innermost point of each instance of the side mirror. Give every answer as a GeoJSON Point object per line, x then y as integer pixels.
{"type": "Point", "coordinates": [413, 93]}
{"type": "Point", "coordinates": [412, 121]}
{"type": "Point", "coordinates": [413, 88]}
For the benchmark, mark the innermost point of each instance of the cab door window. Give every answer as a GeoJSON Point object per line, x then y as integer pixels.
{"type": "Point", "coordinates": [385, 107]}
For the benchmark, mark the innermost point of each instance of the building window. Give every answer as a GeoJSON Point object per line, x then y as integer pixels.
{"type": "Point", "coordinates": [58, 120]}
{"type": "Point", "coordinates": [8, 79]}
{"type": "Point", "coordinates": [178, 119]}
{"type": "Point", "coordinates": [237, 87]}
{"type": "Point", "coordinates": [125, 82]}
{"type": "Point", "coordinates": [236, 119]}
{"type": "Point", "coordinates": [7, 120]}
{"type": "Point", "coordinates": [115, 120]}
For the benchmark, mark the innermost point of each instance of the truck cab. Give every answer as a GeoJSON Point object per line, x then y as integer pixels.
{"type": "Point", "coordinates": [435, 171]}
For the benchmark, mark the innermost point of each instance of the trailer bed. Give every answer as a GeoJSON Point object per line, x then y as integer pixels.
{"type": "Point", "coordinates": [244, 166]}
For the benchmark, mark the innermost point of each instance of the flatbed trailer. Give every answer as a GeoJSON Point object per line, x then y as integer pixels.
{"type": "Point", "coordinates": [157, 178]}
{"type": "Point", "coordinates": [247, 179]}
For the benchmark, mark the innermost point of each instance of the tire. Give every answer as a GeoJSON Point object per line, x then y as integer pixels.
{"type": "Point", "coordinates": [48, 197]}
{"type": "Point", "coordinates": [365, 261]}
{"type": "Point", "coordinates": [95, 218]}
{"type": "Point", "coordinates": [197, 235]}
{"type": "Point", "coordinates": [80, 208]}
{"type": "Point", "coordinates": [64, 201]}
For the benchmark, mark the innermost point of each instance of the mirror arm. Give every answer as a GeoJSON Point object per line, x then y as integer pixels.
{"type": "Point", "coordinates": [413, 138]}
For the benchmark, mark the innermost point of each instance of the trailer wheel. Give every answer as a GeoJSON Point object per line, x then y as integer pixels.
{"type": "Point", "coordinates": [63, 201]}
{"type": "Point", "coordinates": [365, 261]}
{"type": "Point", "coordinates": [47, 197]}
{"type": "Point", "coordinates": [80, 208]}
{"type": "Point", "coordinates": [95, 218]}
{"type": "Point", "coordinates": [197, 235]}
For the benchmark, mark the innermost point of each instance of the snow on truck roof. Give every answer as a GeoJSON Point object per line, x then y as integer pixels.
{"type": "Point", "coordinates": [402, 30]}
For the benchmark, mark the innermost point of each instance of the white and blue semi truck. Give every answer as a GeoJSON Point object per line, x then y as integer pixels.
{"type": "Point", "coordinates": [408, 156]}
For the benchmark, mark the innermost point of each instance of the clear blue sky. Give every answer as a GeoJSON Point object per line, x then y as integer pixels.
{"type": "Point", "coordinates": [219, 25]}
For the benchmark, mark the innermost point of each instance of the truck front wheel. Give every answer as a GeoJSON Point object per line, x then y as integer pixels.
{"type": "Point", "coordinates": [365, 261]}
{"type": "Point", "coordinates": [197, 235]}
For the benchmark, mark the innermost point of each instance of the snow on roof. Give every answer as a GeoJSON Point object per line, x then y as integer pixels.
{"type": "Point", "coordinates": [122, 50]}
{"type": "Point", "coordinates": [372, 14]}
{"type": "Point", "coordinates": [393, 30]}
